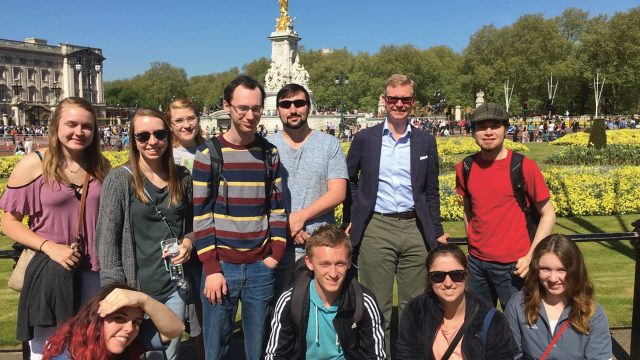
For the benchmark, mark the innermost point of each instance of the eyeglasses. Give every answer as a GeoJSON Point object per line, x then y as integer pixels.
{"type": "Point", "coordinates": [144, 136]}
{"type": "Point", "coordinates": [455, 275]}
{"type": "Point", "coordinates": [243, 109]}
{"type": "Point", "coordinates": [392, 100]}
{"type": "Point", "coordinates": [189, 119]}
{"type": "Point", "coordinates": [285, 104]}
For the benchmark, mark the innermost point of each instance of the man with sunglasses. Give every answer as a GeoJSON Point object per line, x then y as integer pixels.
{"type": "Point", "coordinates": [240, 233]}
{"type": "Point", "coordinates": [315, 174]}
{"type": "Point", "coordinates": [393, 206]}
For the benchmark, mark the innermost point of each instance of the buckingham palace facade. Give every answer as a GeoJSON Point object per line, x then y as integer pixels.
{"type": "Point", "coordinates": [35, 76]}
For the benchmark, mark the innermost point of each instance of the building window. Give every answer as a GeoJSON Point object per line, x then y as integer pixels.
{"type": "Point", "coordinates": [3, 73]}
{"type": "Point", "coordinates": [56, 77]}
{"type": "Point", "coordinates": [3, 94]}
{"type": "Point", "coordinates": [32, 94]}
{"type": "Point", "coordinates": [31, 75]}
{"type": "Point", "coordinates": [45, 75]}
{"type": "Point", "coordinates": [45, 94]}
{"type": "Point", "coordinates": [17, 74]}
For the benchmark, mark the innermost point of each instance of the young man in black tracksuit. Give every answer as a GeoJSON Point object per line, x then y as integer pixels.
{"type": "Point", "coordinates": [326, 313]}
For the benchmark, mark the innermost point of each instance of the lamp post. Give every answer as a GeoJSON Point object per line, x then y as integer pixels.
{"type": "Point", "coordinates": [88, 64]}
{"type": "Point", "coordinates": [341, 81]}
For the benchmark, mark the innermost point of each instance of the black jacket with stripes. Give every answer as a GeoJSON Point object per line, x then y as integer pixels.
{"type": "Point", "coordinates": [361, 340]}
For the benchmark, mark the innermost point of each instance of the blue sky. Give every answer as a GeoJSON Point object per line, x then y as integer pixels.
{"type": "Point", "coordinates": [210, 36]}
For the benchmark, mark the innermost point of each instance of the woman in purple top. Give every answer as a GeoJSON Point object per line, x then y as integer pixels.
{"type": "Point", "coordinates": [46, 186]}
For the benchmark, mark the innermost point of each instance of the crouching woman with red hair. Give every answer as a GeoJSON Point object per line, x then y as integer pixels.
{"type": "Point", "coordinates": [107, 327]}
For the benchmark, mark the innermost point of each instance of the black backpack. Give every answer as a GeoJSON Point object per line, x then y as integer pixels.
{"type": "Point", "coordinates": [215, 154]}
{"type": "Point", "coordinates": [517, 184]}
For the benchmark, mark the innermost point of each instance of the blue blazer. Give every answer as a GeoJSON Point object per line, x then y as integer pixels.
{"type": "Point", "coordinates": [363, 164]}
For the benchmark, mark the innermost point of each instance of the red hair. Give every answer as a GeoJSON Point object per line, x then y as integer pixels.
{"type": "Point", "coordinates": [82, 335]}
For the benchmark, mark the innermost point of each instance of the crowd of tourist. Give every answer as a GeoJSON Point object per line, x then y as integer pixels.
{"type": "Point", "coordinates": [128, 258]}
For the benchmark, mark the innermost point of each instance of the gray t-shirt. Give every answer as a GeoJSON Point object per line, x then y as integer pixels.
{"type": "Point", "coordinates": [307, 171]}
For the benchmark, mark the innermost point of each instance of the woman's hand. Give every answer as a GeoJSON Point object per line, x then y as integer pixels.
{"type": "Point", "coordinates": [62, 254]}
{"type": "Point", "coordinates": [119, 298]}
{"type": "Point", "coordinates": [184, 252]}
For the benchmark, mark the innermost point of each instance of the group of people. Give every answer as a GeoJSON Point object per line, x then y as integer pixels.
{"type": "Point", "coordinates": [189, 228]}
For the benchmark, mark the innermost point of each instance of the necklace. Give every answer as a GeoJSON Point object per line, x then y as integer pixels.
{"type": "Point", "coordinates": [68, 168]}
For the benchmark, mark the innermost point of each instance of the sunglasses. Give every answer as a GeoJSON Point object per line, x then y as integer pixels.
{"type": "Point", "coordinates": [285, 104]}
{"type": "Point", "coordinates": [392, 100]}
{"type": "Point", "coordinates": [145, 135]}
{"type": "Point", "coordinates": [455, 275]}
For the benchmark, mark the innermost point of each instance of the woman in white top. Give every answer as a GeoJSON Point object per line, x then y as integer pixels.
{"type": "Point", "coordinates": [185, 125]}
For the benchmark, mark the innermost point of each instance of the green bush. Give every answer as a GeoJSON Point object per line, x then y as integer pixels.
{"type": "Point", "coordinates": [598, 136]}
{"type": "Point", "coordinates": [611, 155]}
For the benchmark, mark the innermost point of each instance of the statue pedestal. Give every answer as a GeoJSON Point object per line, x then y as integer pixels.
{"type": "Point", "coordinates": [285, 66]}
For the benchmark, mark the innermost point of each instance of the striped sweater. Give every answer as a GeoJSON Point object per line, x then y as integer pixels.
{"type": "Point", "coordinates": [238, 229]}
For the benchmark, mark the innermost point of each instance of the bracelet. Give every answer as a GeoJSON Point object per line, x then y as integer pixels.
{"type": "Point", "coordinates": [40, 249]}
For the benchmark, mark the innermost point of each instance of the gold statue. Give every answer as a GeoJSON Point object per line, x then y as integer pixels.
{"type": "Point", "coordinates": [284, 21]}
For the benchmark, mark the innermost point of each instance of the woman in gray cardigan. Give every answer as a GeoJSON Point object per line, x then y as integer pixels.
{"type": "Point", "coordinates": [145, 206]}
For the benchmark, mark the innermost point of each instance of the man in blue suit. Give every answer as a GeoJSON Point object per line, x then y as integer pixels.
{"type": "Point", "coordinates": [393, 205]}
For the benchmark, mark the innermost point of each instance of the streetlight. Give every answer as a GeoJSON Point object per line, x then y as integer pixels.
{"type": "Point", "coordinates": [341, 80]}
{"type": "Point", "coordinates": [88, 63]}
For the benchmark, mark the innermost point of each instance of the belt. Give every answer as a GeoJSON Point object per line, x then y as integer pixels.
{"type": "Point", "coordinates": [405, 215]}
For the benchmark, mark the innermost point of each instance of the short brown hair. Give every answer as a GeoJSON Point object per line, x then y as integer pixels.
{"type": "Point", "coordinates": [396, 80]}
{"type": "Point", "coordinates": [328, 235]}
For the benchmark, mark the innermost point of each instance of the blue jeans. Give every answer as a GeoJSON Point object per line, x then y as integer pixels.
{"type": "Point", "coordinates": [493, 281]}
{"type": "Point", "coordinates": [175, 302]}
{"type": "Point", "coordinates": [252, 284]}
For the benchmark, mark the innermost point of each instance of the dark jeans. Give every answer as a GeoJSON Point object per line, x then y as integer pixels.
{"type": "Point", "coordinates": [493, 281]}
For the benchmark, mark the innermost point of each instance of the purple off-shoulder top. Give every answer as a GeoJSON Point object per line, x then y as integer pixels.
{"type": "Point", "coordinates": [53, 212]}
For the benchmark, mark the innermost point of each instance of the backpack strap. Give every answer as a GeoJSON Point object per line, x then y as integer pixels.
{"type": "Point", "coordinates": [517, 184]}
{"type": "Point", "coordinates": [268, 151]}
{"type": "Point", "coordinates": [485, 326]}
{"type": "Point", "coordinates": [359, 309]}
{"type": "Point", "coordinates": [39, 154]}
{"type": "Point", "coordinates": [466, 169]}
{"type": "Point", "coordinates": [300, 279]}
{"type": "Point", "coordinates": [215, 155]}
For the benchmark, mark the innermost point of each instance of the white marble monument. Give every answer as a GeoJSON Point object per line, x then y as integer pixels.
{"type": "Point", "coordinates": [285, 63]}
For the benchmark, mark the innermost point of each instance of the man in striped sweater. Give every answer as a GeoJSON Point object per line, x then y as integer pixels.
{"type": "Point", "coordinates": [240, 235]}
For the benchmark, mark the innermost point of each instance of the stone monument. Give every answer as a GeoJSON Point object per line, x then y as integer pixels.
{"type": "Point", "coordinates": [285, 63]}
{"type": "Point", "coordinates": [479, 98]}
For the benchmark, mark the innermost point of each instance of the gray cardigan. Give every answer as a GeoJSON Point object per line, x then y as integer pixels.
{"type": "Point", "coordinates": [115, 245]}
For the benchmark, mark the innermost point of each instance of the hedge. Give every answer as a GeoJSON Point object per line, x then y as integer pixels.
{"type": "Point", "coordinates": [7, 163]}
{"type": "Point", "coordinates": [614, 154]}
{"type": "Point", "coordinates": [624, 136]}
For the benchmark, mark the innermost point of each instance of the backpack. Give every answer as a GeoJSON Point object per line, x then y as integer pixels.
{"type": "Point", "coordinates": [215, 155]}
{"type": "Point", "coordinates": [301, 278]}
{"type": "Point", "coordinates": [530, 211]}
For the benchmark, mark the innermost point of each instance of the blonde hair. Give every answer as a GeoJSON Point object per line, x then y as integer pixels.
{"type": "Point", "coordinates": [97, 165]}
{"type": "Point", "coordinates": [184, 103]}
{"type": "Point", "coordinates": [175, 179]}
{"type": "Point", "coordinates": [330, 236]}
{"type": "Point", "coordinates": [396, 80]}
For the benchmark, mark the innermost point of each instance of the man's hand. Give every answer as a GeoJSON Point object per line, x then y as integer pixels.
{"type": "Point", "coordinates": [296, 222]}
{"type": "Point", "coordinates": [270, 262]}
{"type": "Point", "coordinates": [215, 287]}
{"type": "Point", "coordinates": [301, 237]}
{"type": "Point", "coordinates": [522, 266]}
{"type": "Point", "coordinates": [443, 239]}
